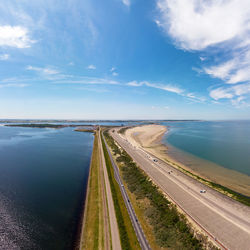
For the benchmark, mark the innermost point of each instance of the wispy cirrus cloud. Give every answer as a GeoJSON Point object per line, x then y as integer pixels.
{"type": "Point", "coordinates": [91, 89]}
{"type": "Point", "coordinates": [57, 77]}
{"type": "Point", "coordinates": [113, 70]}
{"type": "Point", "coordinates": [48, 73]}
{"type": "Point", "coordinates": [14, 85]}
{"type": "Point", "coordinates": [237, 94]}
{"type": "Point", "coordinates": [126, 2]}
{"type": "Point", "coordinates": [4, 57]}
{"type": "Point", "coordinates": [91, 66]}
{"type": "Point", "coordinates": [14, 82]}
{"type": "Point", "coordinates": [88, 80]}
{"type": "Point", "coordinates": [195, 97]}
{"type": "Point", "coordinates": [46, 70]}
{"type": "Point", "coordinates": [168, 87]}
{"type": "Point", "coordinates": [15, 36]}
{"type": "Point", "coordinates": [213, 26]}
{"type": "Point", "coordinates": [233, 71]}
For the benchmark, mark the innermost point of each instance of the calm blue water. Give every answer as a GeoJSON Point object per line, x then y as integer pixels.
{"type": "Point", "coordinates": [43, 177]}
{"type": "Point", "coordinates": [224, 143]}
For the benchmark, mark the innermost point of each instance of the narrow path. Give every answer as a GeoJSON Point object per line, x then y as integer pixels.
{"type": "Point", "coordinates": [116, 244]}
{"type": "Point", "coordinates": [105, 214]}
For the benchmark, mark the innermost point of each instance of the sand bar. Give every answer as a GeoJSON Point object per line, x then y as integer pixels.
{"type": "Point", "coordinates": [149, 137]}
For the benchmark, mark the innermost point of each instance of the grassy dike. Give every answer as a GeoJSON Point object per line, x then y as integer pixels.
{"type": "Point", "coordinates": [92, 230]}
{"type": "Point", "coordinates": [127, 234]}
{"type": "Point", "coordinates": [163, 225]}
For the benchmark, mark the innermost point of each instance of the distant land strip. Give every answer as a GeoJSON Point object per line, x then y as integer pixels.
{"type": "Point", "coordinates": [49, 125]}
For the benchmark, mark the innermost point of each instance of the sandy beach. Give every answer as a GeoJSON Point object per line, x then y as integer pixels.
{"type": "Point", "coordinates": [149, 137]}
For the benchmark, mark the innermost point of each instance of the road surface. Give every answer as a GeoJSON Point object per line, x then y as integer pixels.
{"type": "Point", "coordinates": [138, 230]}
{"type": "Point", "coordinates": [224, 220]}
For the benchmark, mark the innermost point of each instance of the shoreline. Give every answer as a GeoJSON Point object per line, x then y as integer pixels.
{"type": "Point", "coordinates": [150, 138]}
{"type": "Point", "coordinates": [83, 214]}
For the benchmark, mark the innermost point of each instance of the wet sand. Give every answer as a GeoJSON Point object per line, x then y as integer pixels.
{"type": "Point", "coordinates": [149, 137]}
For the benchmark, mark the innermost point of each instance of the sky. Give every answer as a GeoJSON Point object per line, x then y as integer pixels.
{"type": "Point", "coordinates": [125, 59]}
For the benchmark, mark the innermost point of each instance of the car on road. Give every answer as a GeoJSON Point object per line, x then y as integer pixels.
{"type": "Point", "coordinates": [155, 160]}
{"type": "Point", "coordinates": [202, 191]}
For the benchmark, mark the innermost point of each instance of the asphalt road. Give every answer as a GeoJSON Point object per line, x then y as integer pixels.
{"type": "Point", "coordinates": [114, 230]}
{"type": "Point", "coordinates": [224, 220]}
{"type": "Point", "coordinates": [138, 230]}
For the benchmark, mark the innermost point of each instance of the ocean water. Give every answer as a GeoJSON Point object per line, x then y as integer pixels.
{"type": "Point", "coordinates": [226, 143]}
{"type": "Point", "coordinates": [43, 178]}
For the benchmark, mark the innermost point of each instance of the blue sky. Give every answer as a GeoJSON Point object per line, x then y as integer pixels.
{"type": "Point", "coordinates": [125, 59]}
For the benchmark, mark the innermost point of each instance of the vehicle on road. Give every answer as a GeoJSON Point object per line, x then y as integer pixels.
{"type": "Point", "coordinates": [202, 191]}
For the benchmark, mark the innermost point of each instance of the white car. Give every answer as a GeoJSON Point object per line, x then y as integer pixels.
{"type": "Point", "coordinates": [202, 191]}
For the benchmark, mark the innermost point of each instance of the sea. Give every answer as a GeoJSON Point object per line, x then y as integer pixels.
{"type": "Point", "coordinates": [43, 180]}
{"type": "Point", "coordinates": [208, 146]}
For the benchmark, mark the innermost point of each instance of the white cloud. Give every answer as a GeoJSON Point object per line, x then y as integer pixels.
{"type": "Point", "coordinates": [221, 93]}
{"type": "Point", "coordinates": [168, 87]}
{"type": "Point", "coordinates": [221, 71]}
{"type": "Point", "coordinates": [241, 89]}
{"type": "Point", "coordinates": [71, 63]}
{"type": "Point", "coordinates": [91, 89]}
{"type": "Point", "coordinates": [91, 66]}
{"type": "Point", "coordinates": [222, 25]}
{"type": "Point", "coordinates": [233, 71]}
{"type": "Point", "coordinates": [238, 101]}
{"type": "Point", "coordinates": [46, 71]}
{"type": "Point", "coordinates": [237, 94]}
{"type": "Point", "coordinates": [158, 22]}
{"type": "Point", "coordinates": [4, 57]}
{"type": "Point", "coordinates": [15, 36]}
{"type": "Point", "coordinates": [135, 83]}
{"type": "Point", "coordinates": [195, 98]}
{"type": "Point", "coordinates": [113, 71]}
{"type": "Point", "coordinates": [198, 70]}
{"type": "Point", "coordinates": [196, 24]}
{"type": "Point", "coordinates": [126, 2]}
{"type": "Point", "coordinates": [88, 80]}
{"type": "Point", "coordinates": [16, 85]}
